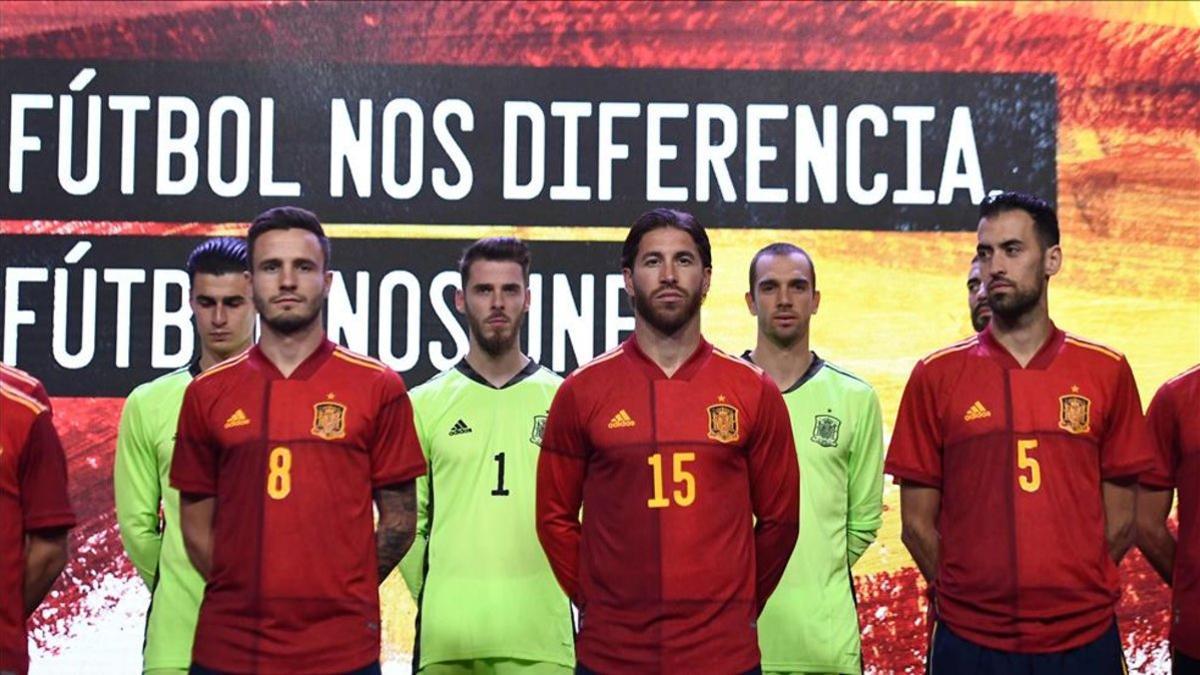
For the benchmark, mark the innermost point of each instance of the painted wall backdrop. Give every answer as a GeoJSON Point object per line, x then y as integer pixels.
{"type": "Point", "coordinates": [866, 132]}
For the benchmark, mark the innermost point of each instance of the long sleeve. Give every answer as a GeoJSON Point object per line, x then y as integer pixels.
{"type": "Point", "coordinates": [138, 492]}
{"type": "Point", "coordinates": [412, 565]}
{"type": "Point", "coordinates": [864, 514]}
{"type": "Point", "coordinates": [562, 467]}
{"type": "Point", "coordinates": [774, 491]}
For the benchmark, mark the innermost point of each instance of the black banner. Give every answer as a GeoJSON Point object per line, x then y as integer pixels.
{"type": "Point", "coordinates": [168, 141]}
{"type": "Point", "coordinates": [95, 316]}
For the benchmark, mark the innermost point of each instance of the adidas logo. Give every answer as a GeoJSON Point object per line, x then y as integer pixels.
{"type": "Point", "coordinates": [977, 411]}
{"type": "Point", "coordinates": [237, 419]}
{"type": "Point", "coordinates": [621, 420]}
{"type": "Point", "coordinates": [460, 427]}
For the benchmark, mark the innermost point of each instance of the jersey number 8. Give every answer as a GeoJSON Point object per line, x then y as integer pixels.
{"type": "Point", "coordinates": [279, 473]}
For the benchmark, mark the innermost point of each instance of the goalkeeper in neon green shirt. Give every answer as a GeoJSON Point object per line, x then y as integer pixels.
{"type": "Point", "coordinates": [487, 600]}
{"type": "Point", "coordinates": [810, 623]}
{"type": "Point", "coordinates": [224, 319]}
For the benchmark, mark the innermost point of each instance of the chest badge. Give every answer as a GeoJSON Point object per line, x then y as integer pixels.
{"type": "Point", "coordinates": [723, 422]}
{"type": "Point", "coordinates": [329, 420]}
{"type": "Point", "coordinates": [825, 430]}
{"type": "Point", "coordinates": [1074, 412]}
{"type": "Point", "coordinates": [539, 430]}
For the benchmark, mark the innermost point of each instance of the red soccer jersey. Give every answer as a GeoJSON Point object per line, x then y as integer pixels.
{"type": "Point", "coordinates": [668, 569]}
{"type": "Point", "coordinates": [292, 462]}
{"type": "Point", "coordinates": [1019, 455]}
{"type": "Point", "coordinates": [24, 383]}
{"type": "Point", "coordinates": [33, 496]}
{"type": "Point", "coordinates": [1174, 417]}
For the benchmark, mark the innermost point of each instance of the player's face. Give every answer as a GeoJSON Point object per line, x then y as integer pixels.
{"type": "Point", "coordinates": [494, 301]}
{"type": "Point", "coordinates": [1014, 267]}
{"type": "Point", "coordinates": [977, 299]}
{"type": "Point", "coordinates": [668, 281]}
{"type": "Point", "coordinates": [784, 299]}
{"type": "Point", "coordinates": [223, 311]}
{"type": "Point", "coordinates": [289, 279]}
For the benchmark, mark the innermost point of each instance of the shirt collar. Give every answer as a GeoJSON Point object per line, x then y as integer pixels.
{"type": "Point", "coordinates": [684, 373]}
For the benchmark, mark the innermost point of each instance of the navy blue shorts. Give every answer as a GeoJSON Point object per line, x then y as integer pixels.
{"type": "Point", "coordinates": [197, 669]}
{"type": "Point", "coordinates": [1182, 664]}
{"type": "Point", "coordinates": [951, 654]}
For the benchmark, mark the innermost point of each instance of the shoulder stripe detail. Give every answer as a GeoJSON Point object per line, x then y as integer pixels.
{"type": "Point", "coordinates": [18, 374]}
{"type": "Point", "coordinates": [17, 397]}
{"type": "Point", "coordinates": [1116, 356]}
{"type": "Point", "coordinates": [1180, 376]}
{"type": "Point", "coordinates": [846, 373]}
{"type": "Point", "coordinates": [607, 356]}
{"type": "Point", "coordinates": [741, 362]}
{"type": "Point", "coordinates": [224, 365]}
{"type": "Point", "coordinates": [365, 362]}
{"type": "Point", "coordinates": [956, 347]}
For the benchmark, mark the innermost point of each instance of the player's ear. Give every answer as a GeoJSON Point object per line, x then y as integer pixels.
{"type": "Point", "coordinates": [328, 282]}
{"type": "Point", "coordinates": [460, 301]}
{"type": "Point", "coordinates": [706, 282]}
{"type": "Point", "coordinates": [751, 305]}
{"type": "Point", "coordinates": [628, 281]}
{"type": "Point", "coordinates": [816, 301]}
{"type": "Point", "coordinates": [528, 297]}
{"type": "Point", "coordinates": [1053, 260]}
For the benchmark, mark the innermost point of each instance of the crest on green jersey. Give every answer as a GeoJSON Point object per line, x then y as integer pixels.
{"type": "Point", "coordinates": [539, 428]}
{"type": "Point", "coordinates": [825, 430]}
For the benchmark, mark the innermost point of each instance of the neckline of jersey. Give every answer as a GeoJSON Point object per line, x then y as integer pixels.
{"type": "Point", "coordinates": [813, 368]}
{"type": "Point", "coordinates": [305, 370]}
{"type": "Point", "coordinates": [471, 374]}
{"type": "Point", "coordinates": [1041, 360]}
{"type": "Point", "coordinates": [684, 373]}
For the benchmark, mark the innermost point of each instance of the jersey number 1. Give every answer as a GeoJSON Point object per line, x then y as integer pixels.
{"type": "Point", "coordinates": [500, 490]}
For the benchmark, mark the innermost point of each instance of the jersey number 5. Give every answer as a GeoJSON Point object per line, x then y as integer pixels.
{"type": "Point", "coordinates": [279, 473]}
{"type": "Point", "coordinates": [1026, 462]}
{"type": "Point", "coordinates": [683, 497]}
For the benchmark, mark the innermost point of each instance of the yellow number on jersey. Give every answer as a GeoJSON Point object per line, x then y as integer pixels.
{"type": "Point", "coordinates": [683, 497]}
{"type": "Point", "coordinates": [1033, 481]}
{"type": "Point", "coordinates": [279, 477]}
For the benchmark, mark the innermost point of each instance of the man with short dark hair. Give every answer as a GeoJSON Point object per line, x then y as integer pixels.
{"type": "Point", "coordinates": [35, 513]}
{"type": "Point", "coordinates": [977, 303]}
{"type": "Point", "coordinates": [810, 624]}
{"type": "Point", "coordinates": [1175, 425]}
{"type": "Point", "coordinates": [487, 602]}
{"type": "Point", "coordinates": [279, 452]}
{"type": "Point", "coordinates": [1017, 451]}
{"type": "Point", "coordinates": [672, 449]}
{"type": "Point", "coordinates": [223, 313]}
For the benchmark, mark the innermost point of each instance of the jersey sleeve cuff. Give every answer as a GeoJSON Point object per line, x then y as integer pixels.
{"type": "Point", "coordinates": [903, 474]}
{"type": "Point", "coordinates": [1156, 481]}
{"type": "Point", "coordinates": [195, 487]}
{"type": "Point", "coordinates": [1134, 470]}
{"type": "Point", "coordinates": [397, 477]}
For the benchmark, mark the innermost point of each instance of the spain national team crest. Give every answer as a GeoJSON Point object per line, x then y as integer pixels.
{"type": "Point", "coordinates": [723, 422]}
{"type": "Point", "coordinates": [1074, 413]}
{"type": "Point", "coordinates": [329, 420]}
{"type": "Point", "coordinates": [539, 429]}
{"type": "Point", "coordinates": [825, 430]}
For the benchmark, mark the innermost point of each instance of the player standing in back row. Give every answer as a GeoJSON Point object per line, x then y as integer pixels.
{"type": "Point", "coordinates": [810, 624]}
{"type": "Point", "coordinates": [1017, 451]}
{"type": "Point", "coordinates": [278, 454]}
{"type": "Point", "coordinates": [487, 600]}
{"type": "Point", "coordinates": [672, 449]}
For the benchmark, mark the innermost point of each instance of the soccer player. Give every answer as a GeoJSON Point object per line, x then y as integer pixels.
{"type": "Point", "coordinates": [35, 514]}
{"type": "Point", "coordinates": [672, 448]}
{"type": "Point", "coordinates": [487, 600]}
{"type": "Point", "coordinates": [24, 383]}
{"type": "Point", "coordinates": [977, 297]}
{"type": "Point", "coordinates": [277, 454]}
{"type": "Point", "coordinates": [810, 624]}
{"type": "Point", "coordinates": [1016, 451]}
{"type": "Point", "coordinates": [224, 315]}
{"type": "Point", "coordinates": [1175, 425]}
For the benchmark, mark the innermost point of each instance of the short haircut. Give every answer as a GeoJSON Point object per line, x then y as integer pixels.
{"type": "Point", "coordinates": [496, 249]}
{"type": "Point", "coordinates": [659, 218]}
{"type": "Point", "coordinates": [222, 255]}
{"type": "Point", "coordinates": [1044, 217]}
{"type": "Point", "coordinates": [780, 248]}
{"type": "Point", "coordinates": [288, 218]}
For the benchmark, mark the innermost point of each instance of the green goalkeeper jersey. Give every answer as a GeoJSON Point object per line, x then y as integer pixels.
{"type": "Point", "coordinates": [483, 586]}
{"type": "Point", "coordinates": [145, 443]}
{"type": "Point", "coordinates": [810, 623]}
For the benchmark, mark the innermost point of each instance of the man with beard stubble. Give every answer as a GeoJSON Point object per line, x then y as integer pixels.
{"type": "Point", "coordinates": [1017, 451]}
{"type": "Point", "coordinates": [977, 301]}
{"type": "Point", "coordinates": [672, 449]}
{"type": "Point", "coordinates": [487, 601]}
{"type": "Point", "coordinates": [278, 454]}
